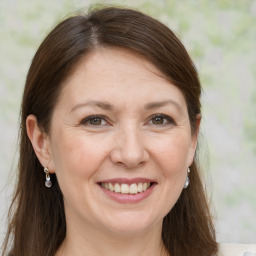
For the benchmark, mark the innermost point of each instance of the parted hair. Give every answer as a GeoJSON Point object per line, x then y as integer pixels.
{"type": "Point", "coordinates": [37, 225]}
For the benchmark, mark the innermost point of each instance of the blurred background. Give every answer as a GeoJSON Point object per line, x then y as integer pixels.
{"type": "Point", "coordinates": [220, 36]}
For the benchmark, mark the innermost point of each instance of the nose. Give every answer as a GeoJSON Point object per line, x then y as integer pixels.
{"type": "Point", "coordinates": [129, 149]}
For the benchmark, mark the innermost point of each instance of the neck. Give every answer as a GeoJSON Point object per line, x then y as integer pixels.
{"type": "Point", "coordinates": [80, 242]}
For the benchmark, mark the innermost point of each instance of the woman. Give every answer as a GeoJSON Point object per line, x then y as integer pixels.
{"type": "Point", "coordinates": [109, 126]}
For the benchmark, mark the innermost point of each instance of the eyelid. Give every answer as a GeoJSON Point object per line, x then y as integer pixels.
{"type": "Point", "coordinates": [88, 118]}
{"type": "Point", "coordinates": [167, 117]}
{"type": "Point", "coordinates": [85, 120]}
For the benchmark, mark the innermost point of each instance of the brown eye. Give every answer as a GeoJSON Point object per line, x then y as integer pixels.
{"type": "Point", "coordinates": [95, 121]}
{"type": "Point", "coordinates": [161, 120]}
{"type": "Point", "coordinates": [158, 120]}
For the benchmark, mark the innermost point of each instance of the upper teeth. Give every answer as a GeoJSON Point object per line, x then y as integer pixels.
{"type": "Point", "coordinates": [126, 188]}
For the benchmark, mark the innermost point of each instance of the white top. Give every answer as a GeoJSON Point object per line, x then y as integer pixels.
{"type": "Point", "coordinates": [237, 250]}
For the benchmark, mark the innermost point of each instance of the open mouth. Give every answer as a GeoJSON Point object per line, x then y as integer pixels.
{"type": "Point", "coordinates": [123, 188]}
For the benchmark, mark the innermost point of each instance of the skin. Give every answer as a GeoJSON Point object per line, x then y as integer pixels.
{"type": "Point", "coordinates": [128, 142]}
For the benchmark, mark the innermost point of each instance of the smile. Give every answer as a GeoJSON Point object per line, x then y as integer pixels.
{"type": "Point", "coordinates": [124, 188]}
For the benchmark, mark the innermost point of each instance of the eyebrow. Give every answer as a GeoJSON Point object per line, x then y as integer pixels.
{"type": "Point", "coordinates": [158, 104]}
{"type": "Point", "coordinates": [94, 103]}
{"type": "Point", "coordinates": [107, 106]}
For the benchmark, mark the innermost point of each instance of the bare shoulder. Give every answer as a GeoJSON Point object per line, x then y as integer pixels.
{"type": "Point", "coordinates": [237, 250]}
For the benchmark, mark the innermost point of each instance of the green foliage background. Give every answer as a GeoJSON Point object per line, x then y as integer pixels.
{"type": "Point", "coordinates": [220, 36]}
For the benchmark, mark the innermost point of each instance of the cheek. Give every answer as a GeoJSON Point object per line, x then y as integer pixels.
{"type": "Point", "coordinates": [173, 154]}
{"type": "Point", "coordinates": [76, 155]}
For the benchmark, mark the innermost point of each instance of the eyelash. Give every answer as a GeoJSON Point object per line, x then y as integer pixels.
{"type": "Point", "coordinates": [166, 119]}
{"type": "Point", "coordinates": [90, 118]}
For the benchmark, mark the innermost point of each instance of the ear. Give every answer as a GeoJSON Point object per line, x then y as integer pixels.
{"type": "Point", "coordinates": [194, 139]}
{"type": "Point", "coordinates": [40, 142]}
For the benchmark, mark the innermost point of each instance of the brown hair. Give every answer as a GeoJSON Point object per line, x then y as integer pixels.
{"type": "Point", "coordinates": [37, 222]}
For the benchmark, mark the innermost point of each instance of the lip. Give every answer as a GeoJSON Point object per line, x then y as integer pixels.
{"type": "Point", "coordinates": [128, 198]}
{"type": "Point", "coordinates": [127, 181]}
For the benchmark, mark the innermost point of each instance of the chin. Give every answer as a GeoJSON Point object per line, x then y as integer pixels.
{"type": "Point", "coordinates": [130, 224]}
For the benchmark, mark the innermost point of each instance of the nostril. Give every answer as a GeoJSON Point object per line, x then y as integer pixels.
{"type": "Point", "coordinates": [129, 151]}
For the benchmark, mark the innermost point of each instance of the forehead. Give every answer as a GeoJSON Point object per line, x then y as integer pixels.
{"type": "Point", "coordinates": [116, 74]}
{"type": "Point", "coordinates": [111, 61]}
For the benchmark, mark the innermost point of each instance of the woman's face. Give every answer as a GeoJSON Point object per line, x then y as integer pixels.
{"type": "Point", "coordinates": [120, 143]}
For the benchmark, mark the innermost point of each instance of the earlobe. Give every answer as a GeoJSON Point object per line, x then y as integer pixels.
{"type": "Point", "coordinates": [39, 141]}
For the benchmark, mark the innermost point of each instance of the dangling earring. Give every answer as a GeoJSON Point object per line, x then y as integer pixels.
{"type": "Point", "coordinates": [48, 182]}
{"type": "Point", "coordinates": [187, 180]}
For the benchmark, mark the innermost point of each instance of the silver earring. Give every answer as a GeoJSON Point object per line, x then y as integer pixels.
{"type": "Point", "coordinates": [187, 180]}
{"type": "Point", "coordinates": [48, 182]}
